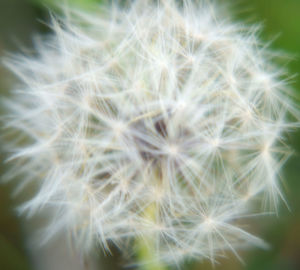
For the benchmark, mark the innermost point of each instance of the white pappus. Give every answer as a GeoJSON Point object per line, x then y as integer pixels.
{"type": "Point", "coordinates": [157, 108]}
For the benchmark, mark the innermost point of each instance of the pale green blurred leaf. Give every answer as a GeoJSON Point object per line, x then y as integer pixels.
{"type": "Point", "coordinates": [86, 4]}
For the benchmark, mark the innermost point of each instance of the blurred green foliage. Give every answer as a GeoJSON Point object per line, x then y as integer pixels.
{"type": "Point", "coordinates": [19, 19]}
{"type": "Point", "coordinates": [56, 3]}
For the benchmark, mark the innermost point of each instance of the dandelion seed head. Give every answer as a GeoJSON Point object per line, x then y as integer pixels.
{"type": "Point", "coordinates": [150, 106]}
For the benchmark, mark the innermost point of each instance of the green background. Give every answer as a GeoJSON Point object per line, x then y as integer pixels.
{"type": "Point", "coordinates": [20, 19]}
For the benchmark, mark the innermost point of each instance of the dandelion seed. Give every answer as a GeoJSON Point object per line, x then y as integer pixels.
{"type": "Point", "coordinates": [150, 121]}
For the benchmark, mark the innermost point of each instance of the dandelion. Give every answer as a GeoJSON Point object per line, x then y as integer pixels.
{"type": "Point", "coordinates": [153, 121]}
